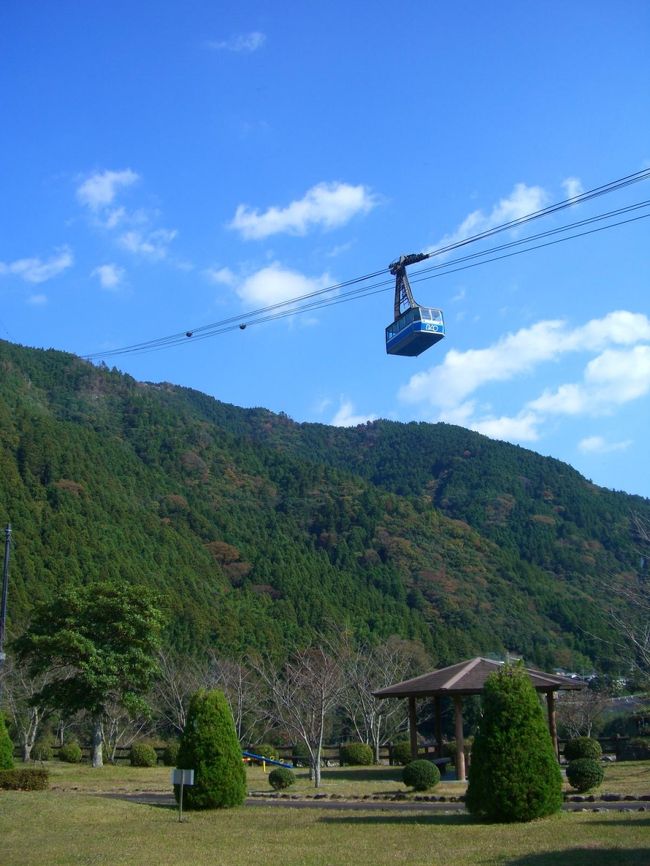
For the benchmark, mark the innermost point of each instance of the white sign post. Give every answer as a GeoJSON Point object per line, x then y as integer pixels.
{"type": "Point", "coordinates": [182, 778]}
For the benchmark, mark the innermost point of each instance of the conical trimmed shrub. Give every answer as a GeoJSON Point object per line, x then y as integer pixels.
{"type": "Point", "coordinates": [514, 774]}
{"type": "Point", "coordinates": [210, 747]}
{"type": "Point", "coordinates": [6, 747]}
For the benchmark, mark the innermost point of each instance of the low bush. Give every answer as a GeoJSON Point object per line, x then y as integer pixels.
{"type": "Point", "coordinates": [449, 749]}
{"type": "Point", "coordinates": [584, 774]}
{"type": "Point", "coordinates": [170, 754]}
{"type": "Point", "coordinates": [300, 755]}
{"type": "Point", "coordinates": [6, 747]}
{"type": "Point", "coordinates": [70, 753]}
{"type": "Point", "coordinates": [636, 749]}
{"type": "Point", "coordinates": [401, 752]}
{"type": "Point", "coordinates": [421, 775]}
{"type": "Point", "coordinates": [143, 755]}
{"type": "Point", "coordinates": [266, 750]}
{"type": "Point", "coordinates": [583, 747]}
{"type": "Point", "coordinates": [356, 754]}
{"type": "Point", "coordinates": [281, 778]}
{"type": "Point", "coordinates": [25, 779]}
{"type": "Point", "coordinates": [42, 752]}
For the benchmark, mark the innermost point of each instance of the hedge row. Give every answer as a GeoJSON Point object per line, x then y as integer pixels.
{"type": "Point", "coordinates": [25, 779]}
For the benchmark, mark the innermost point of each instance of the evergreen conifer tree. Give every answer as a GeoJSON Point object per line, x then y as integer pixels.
{"type": "Point", "coordinates": [210, 747]}
{"type": "Point", "coordinates": [6, 747]}
{"type": "Point", "coordinates": [514, 774]}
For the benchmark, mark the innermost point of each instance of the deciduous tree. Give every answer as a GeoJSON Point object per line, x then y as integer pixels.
{"type": "Point", "coordinates": [302, 695]}
{"type": "Point", "coordinates": [368, 668]}
{"type": "Point", "coordinates": [98, 642]}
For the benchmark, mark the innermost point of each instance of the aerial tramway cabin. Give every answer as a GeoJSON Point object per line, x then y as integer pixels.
{"type": "Point", "coordinates": [415, 328]}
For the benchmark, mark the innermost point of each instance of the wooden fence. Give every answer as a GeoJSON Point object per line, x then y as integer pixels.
{"type": "Point", "coordinates": [331, 753]}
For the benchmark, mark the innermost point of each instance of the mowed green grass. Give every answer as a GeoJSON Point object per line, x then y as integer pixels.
{"type": "Point", "coordinates": [74, 823]}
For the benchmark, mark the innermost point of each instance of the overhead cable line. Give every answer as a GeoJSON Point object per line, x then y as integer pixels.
{"type": "Point", "coordinates": [304, 303]}
{"type": "Point", "coordinates": [376, 288]}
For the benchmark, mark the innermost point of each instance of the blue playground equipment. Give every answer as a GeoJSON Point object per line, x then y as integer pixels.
{"type": "Point", "coordinates": [260, 759]}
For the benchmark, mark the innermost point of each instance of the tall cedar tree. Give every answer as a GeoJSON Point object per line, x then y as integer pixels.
{"type": "Point", "coordinates": [6, 747]}
{"type": "Point", "coordinates": [99, 642]}
{"type": "Point", "coordinates": [514, 774]}
{"type": "Point", "coordinates": [210, 747]}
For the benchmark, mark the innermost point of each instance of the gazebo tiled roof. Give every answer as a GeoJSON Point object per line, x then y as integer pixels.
{"type": "Point", "coordinates": [468, 678]}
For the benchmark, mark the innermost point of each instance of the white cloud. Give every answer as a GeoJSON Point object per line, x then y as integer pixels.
{"type": "Point", "coordinates": [110, 276]}
{"type": "Point", "coordinates": [615, 377]}
{"type": "Point", "coordinates": [222, 276]}
{"type": "Point", "coordinates": [519, 428]}
{"type": "Point", "coordinates": [345, 416]}
{"type": "Point", "coordinates": [522, 201]}
{"type": "Point", "coordinates": [152, 244]}
{"type": "Point", "coordinates": [322, 405]}
{"type": "Point", "coordinates": [36, 270]}
{"type": "Point", "coordinates": [461, 373]}
{"type": "Point", "coordinates": [618, 373]}
{"type": "Point", "coordinates": [99, 190]}
{"type": "Point", "coordinates": [599, 445]}
{"type": "Point", "coordinates": [327, 205]}
{"type": "Point", "coordinates": [274, 284]}
{"type": "Point", "coordinates": [572, 187]}
{"type": "Point", "coordinates": [245, 42]}
{"type": "Point", "coordinates": [37, 300]}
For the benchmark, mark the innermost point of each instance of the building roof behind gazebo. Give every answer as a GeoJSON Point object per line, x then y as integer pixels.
{"type": "Point", "coordinates": [468, 678]}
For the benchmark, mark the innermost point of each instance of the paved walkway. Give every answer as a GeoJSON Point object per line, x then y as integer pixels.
{"type": "Point", "coordinates": [167, 800]}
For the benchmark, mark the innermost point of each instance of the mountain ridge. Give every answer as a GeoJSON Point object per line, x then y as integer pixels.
{"type": "Point", "coordinates": [260, 531]}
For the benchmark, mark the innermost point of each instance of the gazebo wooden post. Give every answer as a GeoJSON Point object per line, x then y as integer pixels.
{"type": "Point", "coordinates": [413, 728]}
{"type": "Point", "coordinates": [437, 711]}
{"type": "Point", "coordinates": [552, 720]}
{"type": "Point", "coordinates": [460, 742]}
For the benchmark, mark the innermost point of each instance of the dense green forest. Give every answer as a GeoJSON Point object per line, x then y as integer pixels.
{"type": "Point", "coordinates": [260, 532]}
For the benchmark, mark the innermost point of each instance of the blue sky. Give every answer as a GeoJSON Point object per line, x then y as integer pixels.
{"type": "Point", "coordinates": [168, 165]}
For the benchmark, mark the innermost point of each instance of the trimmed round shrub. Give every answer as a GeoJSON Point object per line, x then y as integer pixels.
{"type": "Point", "coordinates": [42, 752]}
{"type": "Point", "coordinates": [143, 755]}
{"type": "Point", "coordinates": [281, 778]}
{"type": "Point", "coordinates": [583, 747]}
{"type": "Point", "coordinates": [356, 754]}
{"type": "Point", "coordinates": [70, 753]}
{"type": "Point", "coordinates": [210, 747]}
{"type": "Point", "coordinates": [402, 752]}
{"type": "Point", "coordinates": [170, 754]}
{"type": "Point", "coordinates": [514, 774]}
{"type": "Point", "coordinates": [266, 750]}
{"type": "Point", "coordinates": [584, 774]}
{"type": "Point", "coordinates": [421, 775]}
{"type": "Point", "coordinates": [6, 747]}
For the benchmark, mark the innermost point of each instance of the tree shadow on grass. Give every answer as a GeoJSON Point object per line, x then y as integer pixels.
{"type": "Point", "coordinates": [401, 819]}
{"type": "Point", "coordinates": [361, 774]}
{"type": "Point", "coordinates": [618, 822]}
{"type": "Point", "coordinates": [586, 857]}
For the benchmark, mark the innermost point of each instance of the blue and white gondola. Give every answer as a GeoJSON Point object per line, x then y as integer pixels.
{"type": "Point", "coordinates": [415, 331]}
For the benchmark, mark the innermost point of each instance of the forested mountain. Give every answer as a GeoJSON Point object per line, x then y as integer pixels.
{"type": "Point", "coordinates": [259, 532]}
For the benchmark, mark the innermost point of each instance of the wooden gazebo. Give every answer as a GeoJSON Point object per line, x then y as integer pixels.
{"type": "Point", "coordinates": [467, 678]}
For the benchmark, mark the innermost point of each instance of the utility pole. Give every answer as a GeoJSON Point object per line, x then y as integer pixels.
{"type": "Point", "coordinates": [3, 605]}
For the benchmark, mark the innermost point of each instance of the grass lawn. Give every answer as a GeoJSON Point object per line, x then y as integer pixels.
{"type": "Point", "coordinates": [72, 824]}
